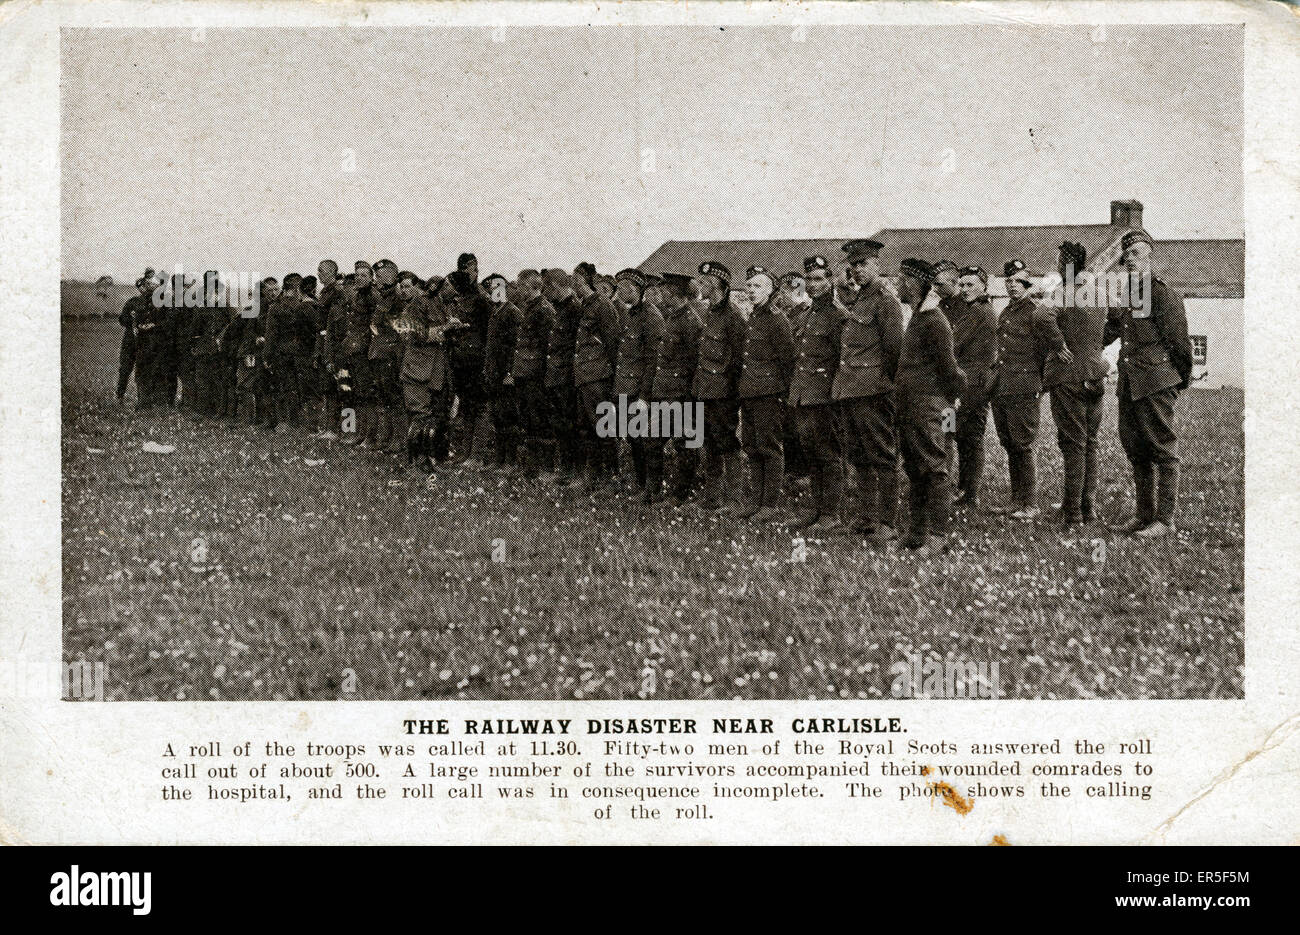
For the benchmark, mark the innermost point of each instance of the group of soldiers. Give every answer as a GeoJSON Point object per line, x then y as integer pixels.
{"type": "Point", "coordinates": [799, 375]}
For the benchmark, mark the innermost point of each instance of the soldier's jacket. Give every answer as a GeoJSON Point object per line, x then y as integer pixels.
{"type": "Point", "coordinates": [974, 338]}
{"type": "Point", "coordinates": [679, 352]}
{"type": "Point", "coordinates": [768, 354]}
{"type": "Point", "coordinates": [1022, 349]}
{"type": "Point", "coordinates": [1155, 351]}
{"type": "Point", "coordinates": [425, 358]}
{"type": "Point", "coordinates": [927, 365]}
{"type": "Point", "coordinates": [180, 321]}
{"type": "Point", "coordinates": [206, 325]}
{"type": "Point", "coordinates": [561, 341]}
{"type": "Point", "coordinates": [869, 344]}
{"type": "Point", "coordinates": [284, 332]}
{"type": "Point", "coordinates": [818, 352]}
{"type": "Point", "coordinates": [531, 339]}
{"type": "Point", "coordinates": [722, 349]}
{"type": "Point", "coordinates": [638, 350]}
{"type": "Point", "coordinates": [474, 309]}
{"type": "Point", "coordinates": [798, 321]}
{"type": "Point", "coordinates": [349, 325]}
{"type": "Point", "coordinates": [131, 311]}
{"type": "Point", "coordinates": [499, 353]}
{"type": "Point", "coordinates": [330, 298]}
{"type": "Point", "coordinates": [150, 321]}
{"type": "Point", "coordinates": [385, 314]}
{"type": "Point", "coordinates": [1081, 330]}
{"type": "Point", "coordinates": [251, 339]}
{"type": "Point", "coordinates": [595, 351]}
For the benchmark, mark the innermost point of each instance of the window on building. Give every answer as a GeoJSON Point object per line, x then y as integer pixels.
{"type": "Point", "coordinates": [1198, 349]}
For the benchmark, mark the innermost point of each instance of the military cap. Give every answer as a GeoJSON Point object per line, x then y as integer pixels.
{"type": "Point", "coordinates": [1016, 269]}
{"type": "Point", "coordinates": [943, 266]}
{"type": "Point", "coordinates": [760, 271]}
{"type": "Point", "coordinates": [677, 280]}
{"type": "Point", "coordinates": [653, 279]}
{"type": "Point", "coordinates": [790, 277]}
{"type": "Point", "coordinates": [917, 269]}
{"type": "Point", "coordinates": [385, 262]}
{"type": "Point", "coordinates": [634, 276]}
{"type": "Point", "coordinates": [605, 279]}
{"type": "Point", "coordinates": [555, 276]}
{"type": "Point", "coordinates": [976, 271]}
{"type": "Point", "coordinates": [587, 271]}
{"type": "Point", "coordinates": [463, 261]}
{"type": "Point", "coordinates": [361, 264]}
{"type": "Point", "coordinates": [1074, 253]}
{"type": "Point", "coordinates": [862, 249]}
{"type": "Point", "coordinates": [816, 261]}
{"type": "Point", "coordinates": [717, 270]}
{"type": "Point", "coordinates": [1134, 236]}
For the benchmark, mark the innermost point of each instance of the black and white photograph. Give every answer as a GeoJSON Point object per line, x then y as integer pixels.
{"type": "Point", "coordinates": [673, 362]}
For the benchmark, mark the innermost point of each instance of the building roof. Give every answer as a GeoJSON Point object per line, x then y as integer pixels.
{"type": "Point", "coordinates": [1196, 268]}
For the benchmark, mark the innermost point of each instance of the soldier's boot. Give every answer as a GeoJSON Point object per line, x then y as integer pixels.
{"type": "Point", "coordinates": [733, 476]}
{"type": "Point", "coordinates": [887, 504]}
{"type": "Point", "coordinates": [712, 469]}
{"type": "Point", "coordinates": [868, 496]}
{"type": "Point", "coordinates": [916, 502]}
{"type": "Point", "coordinates": [753, 498]}
{"type": "Point", "coordinates": [1027, 502]}
{"type": "Point", "coordinates": [809, 514]}
{"type": "Point", "coordinates": [1072, 487]}
{"type": "Point", "coordinates": [414, 442]}
{"type": "Point", "coordinates": [398, 423]}
{"type": "Point", "coordinates": [1144, 509]}
{"type": "Point", "coordinates": [938, 505]}
{"type": "Point", "coordinates": [1088, 496]}
{"type": "Point", "coordinates": [1013, 485]}
{"type": "Point", "coordinates": [1166, 476]}
{"type": "Point", "coordinates": [828, 504]}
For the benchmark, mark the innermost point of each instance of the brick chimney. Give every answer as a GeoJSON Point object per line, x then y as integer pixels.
{"type": "Point", "coordinates": [1126, 213]}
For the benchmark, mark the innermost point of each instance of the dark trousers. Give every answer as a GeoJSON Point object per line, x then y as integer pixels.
{"type": "Point", "coordinates": [925, 460]}
{"type": "Point", "coordinates": [1146, 432]}
{"type": "Point", "coordinates": [126, 363]}
{"type": "Point", "coordinates": [966, 446]}
{"type": "Point", "coordinates": [1015, 416]}
{"type": "Point", "coordinates": [1077, 410]}
{"type": "Point", "coordinates": [568, 427]}
{"type": "Point", "coordinates": [535, 417]}
{"type": "Point", "coordinates": [762, 435]}
{"type": "Point", "coordinates": [290, 371]}
{"type": "Point", "coordinates": [209, 384]}
{"type": "Point", "coordinates": [601, 447]}
{"type": "Point", "coordinates": [816, 427]}
{"type": "Point", "coordinates": [868, 438]}
{"type": "Point", "coordinates": [506, 428]}
{"type": "Point", "coordinates": [685, 461]}
{"type": "Point", "coordinates": [150, 372]}
{"type": "Point", "coordinates": [427, 412]}
{"type": "Point", "coordinates": [467, 378]}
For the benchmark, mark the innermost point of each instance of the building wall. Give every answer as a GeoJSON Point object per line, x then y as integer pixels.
{"type": "Point", "coordinates": [1220, 322]}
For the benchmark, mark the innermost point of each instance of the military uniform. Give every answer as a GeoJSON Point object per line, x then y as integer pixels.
{"type": "Point", "coordinates": [675, 362]}
{"type": "Point", "coordinates": [566, 420]}
{"type": "Point", "coordinates": [529, 373]}
{"type": "Point", "coordinates": [152, 353]}
{"type": "Point", "coordinates": [1077, 393]}
{"type": "Point", "coordinates": [975, 343]}
{"type": "Point", "coordinates": [1018, 383]}
{"type": "Point", "coordinates": [717, 376]}
{"type": "Point", "coordinates": [206, 325]}
{"type": "Point", "coordinates": [385, 358]}
{"type": "Point", "coordinates": [466, 357]}
{"type": "Point", "coordinates": [767, 360]}
{"type": "Point", "coordinates": [816, 362]}
{"type": "Point", "coordinates": [929, 380]}
{"type": "Point", "coordinates": [180, 324]}
{"type": "Point", "coordinates": [797, 462]}
{"type": "Point", "coordinates": [425, 376]}
{"type": "Point", "coordinates": [1155, 363]}
{"type": "Point", "coordinates": [330, 298]}
{"type": "Point", "coordinates": [870, 343]}
{"type": "Point", "coordinates": [595, 358]}
{"type": "Point", "coordinates": [498, 357]}
{"type": "Point", "coordinates": [638, 352]}
{"type": "Point", "coordinates": [348, 342]}
{"type": "Point", "coordinates": [252, 379]}
{"type": "Point", "coordinates": [127, 351]}
{"type": "Point", "coordinates": [288, 348]}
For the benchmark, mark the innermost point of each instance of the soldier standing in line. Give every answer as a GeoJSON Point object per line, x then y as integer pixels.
{"type": "Point", "coordinates": [467, 348]}
{"type": "Point", "coordinates": [385, 359]}
{"type": "Point", "coordinates": [928, 385]}
{"type": "Point", "coordinates": [152, 349]}
{"type": "Point", "coordinates": [810, 397]}
{"type": "Point", "coordinates": [638, 350]}
{"type": "Point", "coordinates": [678, 353]}
{"type": "Point", "coordinates": [253, 381]}
{"type": "Point", "coordinates": [180, 323]}
{"type": "Point", "coordinates": [1155, 364]}
{"type": "Point", "coordinates": [863, 391]}
{"type": "Point", "coordinates": [498, 385]}
{"type": "Point", "coordinates": [768, 358]}
{"type": "Point", "coordinates": [206, 323]}
{"type": "Point", "coordinates": [228, 352]}
{"type": "Point", "coordinates": [348, 341]}
{"type": "Point", "coordinates": [595, 357]}
{"type": "Point", "coordinates": [528, 374]}
{"type": "Point", "coordinates": [717, 378]}
{"type": "Point", "coordinates": [566, 421]}
{"type": "Point", "coordinates": [311, 324]}
{"type": "Point", "coordinates": [326, 418]}
{"type": "Point", "coordinates": [792, 299]}
{"type": "Point", "coordinates": [425, 373]}
{"type": "Point", "coordinates": [1018, 384]}
{"type": "Point", "coordinates": [1075, 378]}
{"type": "Point", "coordinates": [126, 358]}
{"type": "Point", "coordinates": [974, 324]}
{"type": "Point", "coordinates": [286, 352]}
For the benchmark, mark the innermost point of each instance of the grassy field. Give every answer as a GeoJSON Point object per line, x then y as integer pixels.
{"type": "Point", "coordinates": [346, 579]}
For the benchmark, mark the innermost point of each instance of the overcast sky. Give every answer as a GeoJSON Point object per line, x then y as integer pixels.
{"type": "Point", "coordinates": [236, 152]}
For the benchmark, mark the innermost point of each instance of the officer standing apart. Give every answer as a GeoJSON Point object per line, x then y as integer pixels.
{"type": "Point", "coordinates": [1155, 363]}
{"type": "Point", "coordinates": [1075, 378]}
{"type": "Point", "coordinates": [717, 376]}
{"type": "Point", "coordinates": [1018, 382]}
{"type": "Point", "coordinates": [864, 391]}
{"type": "Point", "coordinates": [929, 384]}
{"type": "Point", "coordinates": [810, 397]}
